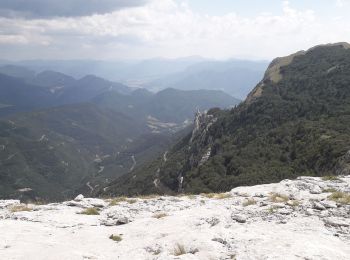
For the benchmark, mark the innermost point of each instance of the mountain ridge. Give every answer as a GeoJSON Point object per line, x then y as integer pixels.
{"type": "Point", "coordinates": [288, 126]}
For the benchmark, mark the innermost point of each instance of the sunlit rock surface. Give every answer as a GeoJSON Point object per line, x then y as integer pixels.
{"type": "Point", "coordinates": [307, 218]}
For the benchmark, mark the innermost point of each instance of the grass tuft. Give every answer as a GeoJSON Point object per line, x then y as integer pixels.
{"type": "Point", "coordinates": [249, 202]}
{"type": "Point", "coordinates": [329, 190]}
{"type": "Point", "coordinates": [218, 196]}
{"type": "Point", "coordinates": [330, 178]}
{"type": "Point", "coordinates": [19, 208]}
{"type": "Point", "coordinates": [116, 238]}
{"type": "Point", "coordinates": [294, 203]}
{"type": "Point", "coordinates": [160, 215]}
{"type": "Point", "coordinates": [277, 198]}
{"type": "Point", "coordinates": [90, 211]}
{"type": "Point", "coordinates": [179, 249]}
{"type": "Point", "coordinates": [118, 200]}
{"type": "Point", "coordinates": [272, 209]}
{"type": "Point", "coordinates": [340, 197]}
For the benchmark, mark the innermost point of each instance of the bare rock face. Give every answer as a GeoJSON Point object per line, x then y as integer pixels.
{"type": "Point", "coordinates": [306, 218]}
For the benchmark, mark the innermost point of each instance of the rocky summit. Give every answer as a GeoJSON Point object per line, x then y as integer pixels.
{"type": "Point", "coordinates": [306, 218]}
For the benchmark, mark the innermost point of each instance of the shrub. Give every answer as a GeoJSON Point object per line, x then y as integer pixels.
{"type": "Point", "coordinates": [116, 238]}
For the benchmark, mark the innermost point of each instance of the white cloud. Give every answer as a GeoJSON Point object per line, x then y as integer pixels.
{"type": "Point", "coordinates": [170, 28]}
{"type": "Point", "coordinates": [340, 3]}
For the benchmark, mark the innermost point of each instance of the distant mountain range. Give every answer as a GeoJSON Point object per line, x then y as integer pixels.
{"type": "Point", "coordinates": [294, 122]}
{"type": "Point", "coordinates": [23, 90]}
{"type": "Point", "coordinates": [235, 77]}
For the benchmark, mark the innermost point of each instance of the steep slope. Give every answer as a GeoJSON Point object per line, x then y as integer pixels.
{"type": "Point", "coordinates": [50, 153]}
{"type": "Point", "coordinates": [295, 122]}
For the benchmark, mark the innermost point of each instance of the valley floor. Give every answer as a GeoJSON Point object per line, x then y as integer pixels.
{"type": "Point", "coordinates": [307, 218]}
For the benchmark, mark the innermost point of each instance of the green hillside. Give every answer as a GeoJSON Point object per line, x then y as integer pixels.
{"type": "Point", "coordinates": [295, 122]}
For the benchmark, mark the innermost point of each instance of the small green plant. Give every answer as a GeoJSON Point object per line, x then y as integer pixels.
{"type": "Point", "coordinates": [131, 201]}
{"type": "Point", "coordinates": [277, 198]}
{"type": "Point", "coordinates": [272, 209]}
{"type": "Point", "coordinates": [249, 202]}
{"type": "Point", "coordinates": [329, 190]}
{"type": "Point", "coordinates": [160, 215]}
{"type": "Point", "coordinates": [179, 249]}
{"type": "Point", "coordinates": [116, 238]}
{"type": "Point", "coordinates": [340, 197]}
{"type": "Point", "coordinates": [330, 178]}
{"type": "Point", "coordinates": [90, 211]}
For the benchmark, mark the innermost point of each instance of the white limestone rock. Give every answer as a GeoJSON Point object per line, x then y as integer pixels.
{"type": "Point", "coordinates": [239, 218]}
{"type": "Point", "coordinates": [329, 204]}
{"type": "Point", "coordinates": [203, 228]}
{"type": "Point", "coordinates": [80, 197]}
{"type": "Point", "coordinates": [8, 203]}
{"type": "Point", "coordinates": [318, 206]}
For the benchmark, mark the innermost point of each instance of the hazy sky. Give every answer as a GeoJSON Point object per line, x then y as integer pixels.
{"type": "Point", "coordinates": [137, 29]}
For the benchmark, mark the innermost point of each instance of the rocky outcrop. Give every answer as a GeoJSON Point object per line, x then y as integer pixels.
{"type": "Point", "coordinates": [306, 218]}
{"type": "Point", "coordinates": [201, 140]}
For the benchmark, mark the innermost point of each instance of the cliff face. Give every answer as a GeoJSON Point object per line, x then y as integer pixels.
{"type": "Point", "coordinates": [294, 123]}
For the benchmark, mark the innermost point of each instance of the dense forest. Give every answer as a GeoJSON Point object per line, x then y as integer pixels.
{"type": "Point", "coordinates": [295, 122]}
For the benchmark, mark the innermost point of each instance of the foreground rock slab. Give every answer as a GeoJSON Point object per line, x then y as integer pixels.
{"type": "Point", "coordinates": [287, 220]}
